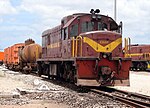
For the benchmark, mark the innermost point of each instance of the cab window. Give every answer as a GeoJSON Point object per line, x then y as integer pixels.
{"type": "Point", "coordinates": [64, 33]}
{"type": "Point", "coordinates": [87, 26]}
{"type": "Point", "coordinates": [74, 30]}
{"type": "Point", "coordinates": [102, 26]}
{"type": "Point", "coordinates": [44, 41]}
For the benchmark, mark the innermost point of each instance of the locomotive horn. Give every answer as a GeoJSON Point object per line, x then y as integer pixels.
{"type": "Point", "coordinates": [97, 11]}
{"type": "Point", "coordinates": [92, 11]}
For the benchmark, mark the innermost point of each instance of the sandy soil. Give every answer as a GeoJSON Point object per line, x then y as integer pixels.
{"type": "Point", "coordinates": [8, 85]}
{"type": "Point", "coordinates": [37, 104]}
{"type": "Point", "coordinates": [139, 83]}
{"type": "Point", "coordinates": [46, 105]}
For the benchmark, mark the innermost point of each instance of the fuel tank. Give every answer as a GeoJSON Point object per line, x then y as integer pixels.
{"type": "Point", "coordinates": [30, 53]}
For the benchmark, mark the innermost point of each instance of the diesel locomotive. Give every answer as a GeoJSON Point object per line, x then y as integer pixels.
{"type": "Point", "coordinates": [140, 55]}
{"type": "Point", "coordinates": [85, 49]}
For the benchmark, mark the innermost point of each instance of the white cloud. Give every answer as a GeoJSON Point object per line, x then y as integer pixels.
{"type": "Point", "coordinates": [51, 12]}
{"type": "Point", "coordinates": [1, 20]}
{"type": "Point", "coordinates": [64, 7]}
{"type": "Point", "coordinates": [6, 8]}
{"type": "Point", "coordinates": [134, 14]}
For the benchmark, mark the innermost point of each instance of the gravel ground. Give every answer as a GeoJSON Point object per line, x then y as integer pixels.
{"type": "Point", "coordinates": [37, 92]}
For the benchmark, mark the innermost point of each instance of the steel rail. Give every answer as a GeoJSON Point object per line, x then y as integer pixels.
{"type": "Point", "coordinates": [128, 101]}
{"type": "Point", "coordinates": [132, 94]}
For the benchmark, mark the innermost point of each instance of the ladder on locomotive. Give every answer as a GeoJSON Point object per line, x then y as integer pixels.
{"type": "Point", "coordinates": [77, 46]}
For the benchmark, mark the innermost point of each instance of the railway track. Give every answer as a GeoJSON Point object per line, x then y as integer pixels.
{"type": "Point", "coordinates": [104, 96]}
{"type": "Point", "coordinates": [133, 99]}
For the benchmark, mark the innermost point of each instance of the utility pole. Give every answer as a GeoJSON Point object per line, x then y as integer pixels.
{"type": "Point", "coordinates": [115, 9]}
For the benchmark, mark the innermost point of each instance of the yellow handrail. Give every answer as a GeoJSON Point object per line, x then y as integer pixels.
{"type": "Point", "coordinates": [77, 38]}
{"type": "Point", "coordinates": [127, 47]}
{"type": "Point", "coordinates": [73, 44]}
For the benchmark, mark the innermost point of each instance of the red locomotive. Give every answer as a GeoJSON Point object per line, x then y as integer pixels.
{"type": "Point", "coordinates": [140, 55]}
{"type": "Point", "coordinates": [85, 49]}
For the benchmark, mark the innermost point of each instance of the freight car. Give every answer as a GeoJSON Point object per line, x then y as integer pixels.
{"type": "Point", "coordinates": [11, 59]}
{"type": "Point", "coordinates": [22, 56]}
{"type": "Point", "coordinates": [1, 58]}
{"type": "Point", "coordinates": [85, 49]}
{"type": "Point", "coordinates": [28, 55]}
{"type": "Point", "coordinates": [140, 55]}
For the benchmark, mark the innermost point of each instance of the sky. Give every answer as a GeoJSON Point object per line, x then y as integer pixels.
{"type": "Point", "coordinates": [24, 19]}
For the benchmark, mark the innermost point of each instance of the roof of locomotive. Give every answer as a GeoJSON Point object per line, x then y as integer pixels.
{"type": "Point", "coordinates": [71, 18]}
{"type": "Point", "coordinates": [83, 14]}
{"type": "Point", "coordinates": [52, 29]}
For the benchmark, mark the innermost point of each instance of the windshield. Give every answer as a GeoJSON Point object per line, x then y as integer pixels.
{"type": "Point", "coordinates": [87, 26]}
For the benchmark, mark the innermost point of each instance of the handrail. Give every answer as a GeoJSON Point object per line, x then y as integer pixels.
{"type": "Point", "coordinates": [77, 38]}
{"type": "Point", "coordinates": [127, 47]}
{"type": "Point", "coordinates": [73, 44]}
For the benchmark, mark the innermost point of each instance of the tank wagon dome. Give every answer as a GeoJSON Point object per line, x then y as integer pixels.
{"type": "Point", "coordinates": [29, 41]}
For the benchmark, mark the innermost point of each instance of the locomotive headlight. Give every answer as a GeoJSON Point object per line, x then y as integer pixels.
{"type": "Point", "coordinates": [98, 17]}
{"type": "Point", "coordinates": [104, 56]}
{"type": "Point", "coordinates": [94, 16]}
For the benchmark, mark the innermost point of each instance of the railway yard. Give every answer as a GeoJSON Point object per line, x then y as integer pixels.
{"type": "Point", "coordinates": [28, 90]}
{"type": "Point", "coordinates": [85, 60]}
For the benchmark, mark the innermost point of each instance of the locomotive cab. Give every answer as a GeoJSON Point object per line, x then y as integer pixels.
{"type": "Point", "coordinates": [78, 23]}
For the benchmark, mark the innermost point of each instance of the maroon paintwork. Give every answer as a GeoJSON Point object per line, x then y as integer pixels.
{"type": "Point", "coordinates": [142, 52]}
{"type": "Point", "coordinates": [88, 67]}
{"type": "Point", "coordinates": [140, 55]}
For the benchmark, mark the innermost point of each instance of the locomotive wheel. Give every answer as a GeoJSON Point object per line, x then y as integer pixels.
{"type": "Point", "coordinates": [69, 73]}
{"type": "Point", "coordinates": [60, 72]}
{"type": "Point", "coordinates": [75, 79]}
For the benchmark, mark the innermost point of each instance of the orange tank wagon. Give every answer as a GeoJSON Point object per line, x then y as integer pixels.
{"type": "Point", "coordinates": [28, 55]}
